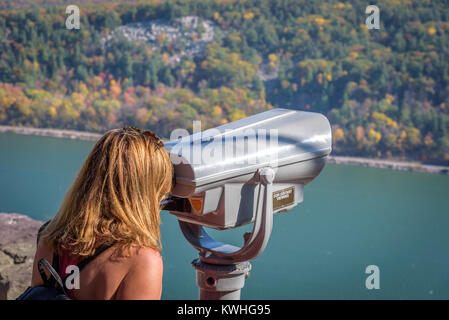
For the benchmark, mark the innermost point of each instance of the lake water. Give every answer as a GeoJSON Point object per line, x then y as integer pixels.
{"type": "Point", "coordinates": [351, 217]}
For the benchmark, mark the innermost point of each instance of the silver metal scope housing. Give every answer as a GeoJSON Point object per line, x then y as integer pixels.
{"type": "Point", "coordinates": [216, 171]}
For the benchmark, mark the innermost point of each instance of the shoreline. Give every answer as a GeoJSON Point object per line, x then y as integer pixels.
{"type": "Point", "coordinates": [56, 133]}
{"type": "Point", "coordinates": [389, 164]}
{"type": "Point", "coordinates": [339, 160]}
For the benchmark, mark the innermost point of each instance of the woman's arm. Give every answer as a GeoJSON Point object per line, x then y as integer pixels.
{"type": "Point", "coordinates": [42, 251]}
{"type": "Point", "coordinates": [144, 278]}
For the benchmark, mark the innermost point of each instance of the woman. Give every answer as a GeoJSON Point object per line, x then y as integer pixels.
{"type": "Point", "coordinates": [113, 203]}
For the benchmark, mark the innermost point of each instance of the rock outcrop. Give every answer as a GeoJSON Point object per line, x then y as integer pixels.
{"type": "Point", "coordinates": [187, 35]}
{"type": "Point", "coordinates": [17, 248]}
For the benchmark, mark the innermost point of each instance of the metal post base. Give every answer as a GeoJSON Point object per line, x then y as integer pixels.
{"type": "Point", "coordinates": [220, 282]}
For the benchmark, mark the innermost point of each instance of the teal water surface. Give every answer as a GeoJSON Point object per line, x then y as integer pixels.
{"type": "Point", "coordinates": [351, 217]}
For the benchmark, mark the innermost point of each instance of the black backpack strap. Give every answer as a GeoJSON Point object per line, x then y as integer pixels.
{"type": "Point", "coordinates": [55, 262]}
{"type": "Point", "coordinates": [41, 229]}
{"type": "Point", "coordinates": [55, 265]}
{"type": "Point", "coordinates": [98, 251]}
{"type": "Point", "coordinates": [54, 280]}
{"type": "Point", "coordinates": [53, 268]}
{"type": "Point", "coordinates": [42, 272]}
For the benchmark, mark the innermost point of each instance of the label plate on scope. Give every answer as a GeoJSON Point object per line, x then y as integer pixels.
{"type": "Point", "coordinates": [283, 198]}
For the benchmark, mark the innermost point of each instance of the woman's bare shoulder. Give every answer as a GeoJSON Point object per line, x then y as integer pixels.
{"type": "Point", "coordinates": [145, 257]}
{"type": "Point", "coordinates": [144, 278]}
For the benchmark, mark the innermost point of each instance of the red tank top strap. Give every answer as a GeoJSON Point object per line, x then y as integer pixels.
{"type": "Point", "coordinates": [65, 260]}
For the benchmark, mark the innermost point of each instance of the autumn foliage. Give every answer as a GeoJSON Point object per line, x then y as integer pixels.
{"type": "Point", "coordinates": [386, 91]}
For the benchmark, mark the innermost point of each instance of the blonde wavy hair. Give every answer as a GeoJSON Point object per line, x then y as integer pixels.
{"type": "Point", "coordinates": [115, 197]}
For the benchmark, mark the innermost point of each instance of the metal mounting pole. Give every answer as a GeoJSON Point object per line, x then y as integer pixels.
{"type": "Point", "coordinates": [220, 282]}
{"type": "Point", "coordinates": [221, 269]}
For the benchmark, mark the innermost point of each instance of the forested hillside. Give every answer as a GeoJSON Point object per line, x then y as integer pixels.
{"type": "Point", "coordinates": [386, 91]}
